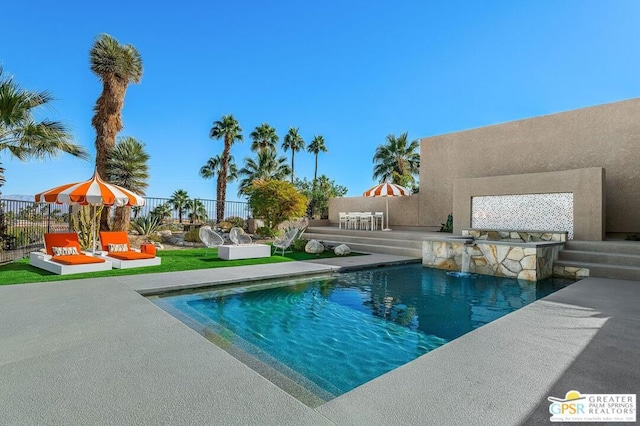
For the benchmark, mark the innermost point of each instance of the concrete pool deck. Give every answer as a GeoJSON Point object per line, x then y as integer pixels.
{"type": "Point", "coordinates": [95, 351]}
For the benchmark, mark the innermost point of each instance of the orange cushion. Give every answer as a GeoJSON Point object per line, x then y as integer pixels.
{"type": "Point", "coordinates": [148, 248]}
{"type": "Point", "coordinates": [63, 239]}
{"type": "Point", "coordinates": [113, 237]}
{"type": "Point", "coordinates": [76, 259]}
{"type": "Point", "coordinates": [130, 255]}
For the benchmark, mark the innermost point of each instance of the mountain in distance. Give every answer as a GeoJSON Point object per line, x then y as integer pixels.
{"type": "Point", "coordinates": [17, 197]}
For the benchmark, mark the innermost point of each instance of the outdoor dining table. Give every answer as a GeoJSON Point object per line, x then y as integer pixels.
{"type": "Point", "coordinates": [361, 220]}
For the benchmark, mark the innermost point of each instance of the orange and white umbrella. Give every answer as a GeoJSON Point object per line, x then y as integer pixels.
{"type": "Point", "coordinates": [95, 192]}
{"type": "Point", "coordinates": [387, 190]}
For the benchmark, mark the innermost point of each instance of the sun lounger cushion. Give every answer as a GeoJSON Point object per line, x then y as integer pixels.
{"type": "Point", "coordinates": [130, 255]}
{"type": "Point", "coordinates": [112, 248]}
{"type": "Point", "coordinates": [76, 259]}
{"type": "Point", "coordinates": [113, 237]}
{"type": "Point", "coordinates": [62, 251]}
{"type": "Point", "coordinates": [64, 239]}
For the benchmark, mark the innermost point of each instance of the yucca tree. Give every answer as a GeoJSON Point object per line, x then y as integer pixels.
{"type": "Point", "coordinates": [266, 166]}
{"type": "Point", "coordinates": [228, 129]}
{"type": "Point", "coordinates": [294, 142]}
{"type": "Point", "coordinates": [116, 65]}
{"type": "Point", "coordinates": [264, 137]}
{"type": "Point", "coordinates": [21, 135]}
{"type": "Point", "coordinates": [127, 167]}
{"type": "Point", "coordinates": [397, 160]}
{"type": "Point", "coordinates": [180, 202]}
{"type": "Point", "coordinates": [317, 146]}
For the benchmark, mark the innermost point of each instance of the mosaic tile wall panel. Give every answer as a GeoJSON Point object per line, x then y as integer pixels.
{"type": "Point", "coordinates": [524, 212]}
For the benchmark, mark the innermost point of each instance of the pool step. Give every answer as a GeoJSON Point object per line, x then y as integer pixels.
{"type": "Point", "coordinates": [604, 259]}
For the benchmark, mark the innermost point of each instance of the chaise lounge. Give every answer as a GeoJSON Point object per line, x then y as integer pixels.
{"type": "Point", "coordinates": [116, 249]}
{"type": "Point", "coordinates": [64, 256]}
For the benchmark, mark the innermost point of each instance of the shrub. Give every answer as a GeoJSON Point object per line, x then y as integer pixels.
{"type": "Point", "coordinates": [236, 221]}
{"type": "Point", "coordinates": [447, 227]}
{"type": "Point", "coordinates": [633, 237]}
{"type": "Point", "coordinates": [275, 201]}
{"type": "Point", "coordinates": [266, 232]}
{"type": "Point", "coordinates": [193, 236]}
{"type": "Point", "coordinates": [299, 244]}
{"type": "Point", "coordinates": [225, 226]}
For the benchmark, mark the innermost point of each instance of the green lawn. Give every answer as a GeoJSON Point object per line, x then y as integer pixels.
{"type": "Point", "coordinates": [20, 271]}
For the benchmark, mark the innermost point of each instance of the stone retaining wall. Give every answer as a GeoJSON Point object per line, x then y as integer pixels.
{"type": "Point", "coordinates": [524, 261]}
{"type": "Point", "coordinates": [515, 236]}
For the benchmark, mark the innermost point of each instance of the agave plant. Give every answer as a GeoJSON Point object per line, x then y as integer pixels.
{"type": "Point", "coordinates": [145, 225]}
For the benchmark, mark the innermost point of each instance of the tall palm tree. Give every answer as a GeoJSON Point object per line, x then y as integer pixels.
{"type": "Point", "coordinates": [116, 65]}
{"type": "Point", "coordinates": [179, 201]}
{"type": "Point", "coordinates": [264, 137]}
{"type": "Point", "coordinates": [21, 135]}
{"type": "Point", "coordinates": [213, 168]}
{"type": "Point", "coordinates": [294, 142]}
{"type": "Point", "coordinates": [127, 167]}
{"type": "Point", "coordinates": [266, 166]}
{"type": "Point", "coordinates": [228, 129]}
{"type": "Point", "coordinates": [397, 160]}
{"type": "Point", "coordinates": [315, 147]}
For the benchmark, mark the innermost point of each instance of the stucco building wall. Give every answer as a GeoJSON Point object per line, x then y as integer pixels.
{"type": "Point", "coordinates": [606, 136]}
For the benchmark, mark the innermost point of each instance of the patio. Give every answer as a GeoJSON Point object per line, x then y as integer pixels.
{"type": "Point", "coordinates": [97, 352]}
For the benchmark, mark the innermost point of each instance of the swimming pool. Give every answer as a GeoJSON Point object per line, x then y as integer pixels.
{"type": "Point", "coordinates": [322, 337]}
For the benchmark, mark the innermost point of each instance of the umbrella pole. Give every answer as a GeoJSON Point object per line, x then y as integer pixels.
{"type": "Point", "coordinates": [386, 199]}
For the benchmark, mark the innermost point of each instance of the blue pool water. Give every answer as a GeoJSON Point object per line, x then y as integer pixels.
{"type": "Point", "coordinates": [336, 333]}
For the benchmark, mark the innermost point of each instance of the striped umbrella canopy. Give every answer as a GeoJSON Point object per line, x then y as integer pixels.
{"type": "Point", "coordinates": [95, 192]}
{"type": "Point", "coordinates": [386, 190]}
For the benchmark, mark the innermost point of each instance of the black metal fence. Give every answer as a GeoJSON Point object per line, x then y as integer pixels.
{"type": "Point", "coordinates": [24, 223]}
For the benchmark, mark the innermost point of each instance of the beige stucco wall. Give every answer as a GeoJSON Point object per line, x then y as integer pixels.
{"type": "Point", "coordinates": [606, 136]}
{"type": "Point", "coordinates": [587, 186]}
{"type": "Point", "coordinates": [402, 210]}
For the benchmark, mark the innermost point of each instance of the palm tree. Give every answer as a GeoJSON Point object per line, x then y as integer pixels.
{"type": "Point", "coordinates": [265, 167]}
{"type": "Point", "coordinates": [161, 212]}
{"type": "Point", "coordinates": [315, 147]}
{"type": "Point", "coordinates": [127, 167]}
{"type": "Point", "coordinates": [179, 201]}
{"type": "Point", "coordinates": [264, 137]}
{"type": "Point", "coordinates": [198, 211]}
{"type": "Point", "coordinates": [116, 65]}
{"type": "Point", "coordinates": [294, 142]}
{"type": "Point", "coordinates": [214, 166]}
{"type": "Point", "coordinates": [230, 131]}
{"type": "Point", "coordinates": [397, 160]}
{"type": "Point", "coordinates": [21, 135]}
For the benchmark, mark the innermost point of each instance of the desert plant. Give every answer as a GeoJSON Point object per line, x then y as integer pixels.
{"type": "Point", "coordinates": [192, 236]}
{"type": "Point", "coordinates": [225, 226]}
{"type": "Point", "coordinates": [237, 221]}
{"type": "Point", "coordinates": [266, 232]}
{"type": "Point", "coordinates": [84, 223]}
{"type": "Point", "coordinates": [448, 226]}
{"type": "Point", "coordinates": [633, 237]}
{"type": "Point", "coordinates": [145, 225]}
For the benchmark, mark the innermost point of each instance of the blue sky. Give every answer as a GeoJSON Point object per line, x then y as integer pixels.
{"type": "Point", "coordinates": [352, 71]}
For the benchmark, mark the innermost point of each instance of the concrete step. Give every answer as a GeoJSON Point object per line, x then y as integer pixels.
{"type": "Point", "coordinates": [374, 248]}
{"type": "Point", "coordinates": [607, 258]}
{"type": "Point", "coordinates": [358, 239]}
{"type": "Point", "coordinates": [403, 233]}
{"type": "Point", "coordinates": [622, 247]}
{"type": "Point", "coordinates": [602, 270]}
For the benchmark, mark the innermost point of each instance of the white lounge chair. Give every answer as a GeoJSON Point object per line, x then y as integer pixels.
{"type": "Point", "coordinates": [238, 236]}
{"type": "Point", "coordinates": [285, 241]}
{"type": "Point", "coordinates": [210, 238]}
